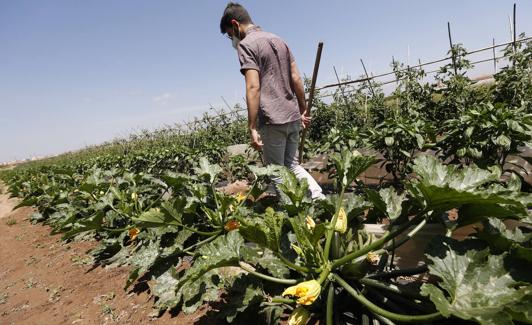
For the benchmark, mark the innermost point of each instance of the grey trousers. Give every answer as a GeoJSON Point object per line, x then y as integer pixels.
{"type": "Point", "coordinates": [280, 147]}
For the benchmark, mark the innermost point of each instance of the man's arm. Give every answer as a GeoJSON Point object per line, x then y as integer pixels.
{"type": "Point", "coordinates": [299, 89]}
{"type": "Point", "coordinates": [253, 99]}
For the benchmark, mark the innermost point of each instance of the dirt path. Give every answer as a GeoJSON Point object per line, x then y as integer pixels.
{"type": "Point", "coordinates": [46, 281]}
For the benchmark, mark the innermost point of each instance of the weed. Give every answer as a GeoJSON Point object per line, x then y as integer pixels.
{"type": "Point", "coordinates": [3, 298]}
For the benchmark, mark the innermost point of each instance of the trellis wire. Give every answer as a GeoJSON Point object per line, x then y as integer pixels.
{"type": "Point", "coordinates": [419, 65]}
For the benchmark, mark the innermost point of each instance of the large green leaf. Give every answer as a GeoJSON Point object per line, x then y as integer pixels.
{"type": "Point", "coordinates": [165, 289]}
{"type": "Point", "coordinates": [175, 180]}
{"type": "Point", "coordinates": [387, 201]}
{"type": "Point", "coordinates": [27, 202]}
{"type": "Point", "coordinates": [112, 251]}
{"type": "Point", "coordinates": [223, 251]}
{"type": "Point", "coordinates": [474, 285]}
{"type": "Point", "coordinates": [155, 253]}
{"type": "Point", "coordinates": [141, 261]}
{"type": "Point", "coordinates": [93, 222]}
{"type": "Point", "coordinates": [155, 218]}
{"type": "Point", "coordinates": [433, 173]}
{"type": "Point", "coordinates": [293, 192]}
{"type": "Point", "coordinates": [500, 239]}
{"type": "Point", "coordinates": [170, 293]}
{"type": "Point", "coordinates": [307, 249]}
{"type": "Point", "coordinates": [349, 166]}
{"type": "Point", "coordinates": [207, 169]}
{"type": "Point", "coordinates": [204, 289]}
{"type": "Point", "coordinates": [522, 310]}
{"type": "Point", "coordinates": [264, 258]}
{"type": "Point", "coordinates": [245, 292]}
{"type": "Point", "coordinates": [354, 206]}
{"type": "Point", "coordinates": [264, 230]}
{"type": "Point", "coordinates": [440, 188]}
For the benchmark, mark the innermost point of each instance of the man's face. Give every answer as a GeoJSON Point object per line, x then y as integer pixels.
{"type": "Point", "coordinates": [234, 30]}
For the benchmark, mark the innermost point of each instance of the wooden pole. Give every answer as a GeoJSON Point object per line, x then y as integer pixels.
{"type": "Point", "coordinates": [310, 97]}
{"type": "Point", "coordinates": [514, 31]}
{"type": "Point", "coordinates": [408, 56]}
{"type": "Point", "coordinates": [452, 50]}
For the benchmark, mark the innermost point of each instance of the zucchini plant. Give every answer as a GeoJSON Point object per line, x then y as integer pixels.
{"type": "Point", "coordinates": [316, 260]}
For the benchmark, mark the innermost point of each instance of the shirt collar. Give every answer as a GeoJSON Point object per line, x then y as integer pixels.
{"type": "Point", "coordinates": [252, 29]}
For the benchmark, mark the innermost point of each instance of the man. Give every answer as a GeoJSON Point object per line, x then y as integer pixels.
{"type": "Point", "coordinates": [275, 94]}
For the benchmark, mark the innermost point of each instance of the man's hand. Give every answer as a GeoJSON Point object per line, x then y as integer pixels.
{"type": "Point", "coordinates": [252, 100]}
{"type": "Point", "coordinates": [256, 142]}
{"type": "Point", "coordinates": [305, 120]}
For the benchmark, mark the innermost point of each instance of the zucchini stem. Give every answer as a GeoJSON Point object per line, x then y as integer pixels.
{"type": "Point", "coordinates": [380, 311]}
{"type": "Point", "coordinates": [266, 277]}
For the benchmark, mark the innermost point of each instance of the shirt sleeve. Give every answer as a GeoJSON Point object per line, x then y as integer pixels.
{"type": "Point", "coordinates": [247, 58]}
{"type": "Point", "coordinates": [290, 55]}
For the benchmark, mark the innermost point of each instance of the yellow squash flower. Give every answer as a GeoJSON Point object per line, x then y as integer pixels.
{"type": "Point", "coordinates": [306, 292]}
{"type": "Point", "coordinates": [341, 222]}
{"type": "Point", "coordinates": [299, 316]}
{"type": "Point", "coordinates": [240, 197]}
{"type": "Point", "coordinates": [133, 233]}
{"type": "Point", "coordinates": [372, 258]}
{"type": "Point", "coordinates": [310, 223]}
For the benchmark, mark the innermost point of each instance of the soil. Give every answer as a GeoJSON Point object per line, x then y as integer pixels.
{"type": "Point", "coordinates": [44, 280]}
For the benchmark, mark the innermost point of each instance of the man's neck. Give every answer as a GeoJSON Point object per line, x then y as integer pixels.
{"type": "Point", "coordinates": [246, 27]}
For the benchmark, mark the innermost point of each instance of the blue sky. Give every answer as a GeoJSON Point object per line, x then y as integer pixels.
{"type": "Point", "coordinates": [75, 73]}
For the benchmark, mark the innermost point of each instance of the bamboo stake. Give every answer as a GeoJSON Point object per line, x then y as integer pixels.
{"type": "Point", "coordinates": [494, 59]}
{"type": "Point", "coordinates": [366, 107]}
{"type": "Point", "coordinates": [310, 97]}
{"type": "Point", "coordinates": [341, 88]}
{"type": "Point", "coordinates": [226, 103]}
{"type": "Point", "coordinates": [368, 78]}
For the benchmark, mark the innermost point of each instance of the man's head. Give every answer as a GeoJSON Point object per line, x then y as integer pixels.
{"type": "Point", "coordinates": [235, 21]}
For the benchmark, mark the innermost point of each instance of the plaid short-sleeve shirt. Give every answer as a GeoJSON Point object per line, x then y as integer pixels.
{"type": "Point", "coordinates": [270, 56]}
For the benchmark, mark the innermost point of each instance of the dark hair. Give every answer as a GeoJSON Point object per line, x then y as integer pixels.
{"type": "Point", "coordinates": [234, 11]}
